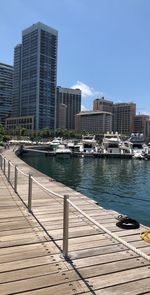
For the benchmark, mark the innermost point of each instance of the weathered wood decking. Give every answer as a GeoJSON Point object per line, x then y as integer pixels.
{"type": "Point", "coordinates": [31, 260]}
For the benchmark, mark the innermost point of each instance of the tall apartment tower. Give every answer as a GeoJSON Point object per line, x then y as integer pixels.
{"type": "Point", "coordinates": [16, 107]}
{"type": "Point", "coordinates": [35, 74]}
{"type": "Point", "coordinates": [142, 125]}
{"type": "Point", "coordinates": [123, 117]}
{"type": "Point", "coordinates": [6, 88]}
{"type": "Point", "coordinates": [101, 104]}
{"type": "Point", "coordinates": [68, 105]}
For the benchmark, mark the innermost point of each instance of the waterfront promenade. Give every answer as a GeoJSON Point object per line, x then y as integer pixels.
{"type": "Point", "coordinates": [31, 244]}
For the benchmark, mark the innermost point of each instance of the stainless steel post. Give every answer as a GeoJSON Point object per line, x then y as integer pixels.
{"type": "Point", "coordinates": [8, 171]}
{"type": "Point", "coordinates": [65, 226]}
{"type": "Point", "coordinates": [16, 178]}
{"type": "Point", "coordinates": [1, 161]}
{"type": "Point", "coordinates": [4, 165]}
{"type": "Point", "coordinates": [30, 193]}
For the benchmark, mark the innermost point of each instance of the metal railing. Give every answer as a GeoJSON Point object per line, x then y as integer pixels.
{"type": "Point", "coordinates": [6, 166]}
{"type": "Point", "coordinates": [14, 183]}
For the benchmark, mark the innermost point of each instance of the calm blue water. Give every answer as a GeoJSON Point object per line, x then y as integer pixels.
{"type": "Point", "coordinates": [119, 184]}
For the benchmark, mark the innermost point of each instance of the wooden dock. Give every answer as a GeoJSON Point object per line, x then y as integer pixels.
{"type": "Point", "coordinates": [31, 257]}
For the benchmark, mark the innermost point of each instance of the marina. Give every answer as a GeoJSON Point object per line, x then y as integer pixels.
{"type": "Point", "coordinates": [121, 184]}
{"type": "Point", "coordinates": [112, 145]}
{"type": "Point", "coordinates": [100, 261]}
{"type": "Point", "coordinates": [74, 148]}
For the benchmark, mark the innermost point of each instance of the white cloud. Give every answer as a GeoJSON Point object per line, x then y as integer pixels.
{"type": "Point", "coordinates": [142, 112]}
{"type": "Point", "coordinates": [83, 108]}
{"type": "Point", "coordinates": [87, 90]}
{"type": "Point", "coordinates": [119, 101]}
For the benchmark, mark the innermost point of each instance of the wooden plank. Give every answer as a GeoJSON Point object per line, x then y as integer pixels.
{"type": "Point", "coordinates": [103, 258]}
{"type": "Point", "coordinates": [75, 232]}
{"type": "Point", "coordinates": [36, 282]}
{"type": "Point", "coordinates": [31, 262]}
{"type": "Point", "coordinates": [140, 286]}
{"type": "Point", "coordinates": [20, 236]}
{"type": "Point", "coordinates": [21, 232]}
{"type": "Point", "coordinates": [96, 251]}
{"type": "Point", "coordinates": [113, 267]}
{"type": "Point", "coordinates": [24, 248]}
{"type": "Point", "coordinates": [37, 250]}
{"type": "Point", "coordinates": [68, 288]}
{"type": "Point", "coordinates": [90, 245]}
{"type": "Point", "coordinates": [22, 241]}
{"type": "Point", "coordinates": [117, 278]}
{"type": "Point", "coordinates": [33, 271]}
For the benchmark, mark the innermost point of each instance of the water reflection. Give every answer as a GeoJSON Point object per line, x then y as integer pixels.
{"type": "Point", "coordinates": [119, 184]}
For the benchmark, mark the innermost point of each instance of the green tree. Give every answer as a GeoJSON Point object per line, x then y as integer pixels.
{"type": "Point", "coordinates": [23, 132]}
{"type": "Point", "coordinates": [45, 133]}
{"type": "Point", "coordinates": [6, 138]}
{"type": "Point", "coordinates": [2, 130]}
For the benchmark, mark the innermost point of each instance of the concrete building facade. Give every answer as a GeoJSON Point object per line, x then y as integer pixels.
{"type": "Point", "coordinates": [123, 117]}
{"type": "Point", "coordinates": [101, 104]}
{"type": "Point", "coordinates": [6, 91]}
{"type": "Point", "coordinates": [98, 122]}
{"type": "Point", "coordinates": [14, 123]}
{"type": "Point", "coordinates": [68, 104]}
{"type": "Point", "coordinates": [142, 125]}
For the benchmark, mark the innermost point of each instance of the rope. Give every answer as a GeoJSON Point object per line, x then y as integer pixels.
{"type": "Point", "coordinates": [140, 253]}
{"type": "Point", "coordinates": [12, 164]}
{"type": "Point", "coordinates": [27, 175]}
{"type": "Point", "coordinates": [47, 190]}
{"type": "Point", "coordinates": [127, 222]}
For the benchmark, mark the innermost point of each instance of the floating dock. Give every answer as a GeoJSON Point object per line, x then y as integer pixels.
{"type": "Point", "coordinates": [78, 154]}
{"type": "Point", "coordinates": [31, 243]}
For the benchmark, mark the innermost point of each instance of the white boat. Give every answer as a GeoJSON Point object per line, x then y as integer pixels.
{"type": "Point", "coordinates": [112, 144]}
{"type": "Point", "coordinates": [88, 144]}
{"type": "Point", "coordinates": [137, 145]}
{"type": "Point", "coordinates": [56, 142]}
{"type": "Point", "coordinates": [138, 155]}
{"type": "Point", "coordinates": [62, 150]}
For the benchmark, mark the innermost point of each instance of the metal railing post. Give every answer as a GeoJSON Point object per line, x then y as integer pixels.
{"type": "Point", "coordinates": [30, 194]}
{"type": "Point", "coordinates": [16, 178]}
{"type": "Point", "coordinates": [4, 166]}
{"type": "Point", "coordinates": [8, 171]}
{"type": "Point", "coordinates": [1, 161]}
{"type": "Point", "coordinates": [65, 227]}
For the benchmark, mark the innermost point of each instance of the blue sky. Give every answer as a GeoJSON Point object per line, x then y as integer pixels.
{"type": "Point", "coordinates": [103, 45]}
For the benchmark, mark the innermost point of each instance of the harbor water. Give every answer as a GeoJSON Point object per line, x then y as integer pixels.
{"type": "Point", "coordinates": [122, 185]}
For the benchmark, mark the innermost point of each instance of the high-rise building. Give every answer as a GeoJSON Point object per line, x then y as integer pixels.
{"type": "Point", "coordinates": [16, 107]}
{"type": "Point", "coordinates": [99, 122]}
{"type": "Point", "coordinates": [35, 63]}
{"type": "Point", "coordinates": [68, 105]}
{"type": "Point", "coordinates": [61, 117]}
{"type": "Point", "coordinates": [141, 125]}
{"type": "Point", "coordinates": [6, 88]}
{"type": "Point", "coordinates": [101, 104]}
{"type": "Point", "coordinates": [17, 123]}
{"type": "Point", "coordinates": [123, 117]}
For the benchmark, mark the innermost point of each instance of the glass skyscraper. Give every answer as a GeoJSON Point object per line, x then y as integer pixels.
{"type": "Point", "coordinates": [6, 88]}
{"type": "Point", "coordinates": [16, 107]}
{"type": "Point", "coordinates": [35, 74]}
